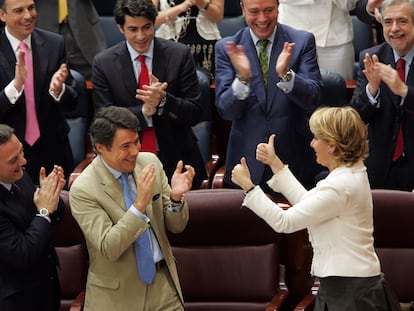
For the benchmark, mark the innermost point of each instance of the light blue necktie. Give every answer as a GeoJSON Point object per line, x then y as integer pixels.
{"type": "Point", "coordinates": [143, 252]}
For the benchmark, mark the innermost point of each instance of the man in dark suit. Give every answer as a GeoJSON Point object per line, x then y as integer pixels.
{"type": "Point", "coordinates": [80, 28]}
{"type": "Point", "coordinates": [384, 96]}
{"type": "Point", "coordinates": [28, 276]}
{"type": "Point", "coordinates": [281, 104]}
{"type": "Point", "coordinates": [171, 104]}
{"type": "Point", "coordinates": [51, 96]}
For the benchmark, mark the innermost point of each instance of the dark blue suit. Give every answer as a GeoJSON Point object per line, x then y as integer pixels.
{"type": "Point", "coordinates": [53, 146]}
{"type": "Point", "coordinates": [265, 112]}
{"type": "Point", "coordinates": [383, 122]}
{"type": "Point", "coordinates": [28, 276]}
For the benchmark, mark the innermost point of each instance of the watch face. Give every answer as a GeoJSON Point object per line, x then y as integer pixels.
{"type": "Point", "coordinates": [44, 212]}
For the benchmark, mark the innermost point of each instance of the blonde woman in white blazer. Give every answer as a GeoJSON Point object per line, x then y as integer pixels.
{"type": "Point", "coordinates": [331, 24]}
{"type": "Point", "coordinates": [337, 212]}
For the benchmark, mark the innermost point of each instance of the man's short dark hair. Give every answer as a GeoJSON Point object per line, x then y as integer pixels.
{"type": "Point", "coordinates": [109, 119]}
{"type": "Point", "coordinates": [5, 133]}
{"type": "Point", "coordinates": [134, 8]}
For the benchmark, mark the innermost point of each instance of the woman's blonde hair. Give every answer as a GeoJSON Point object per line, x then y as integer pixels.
{"type": "Point", "coordinates": [343, 128]}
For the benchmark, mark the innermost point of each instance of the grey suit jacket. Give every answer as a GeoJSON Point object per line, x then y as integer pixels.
{"type": "Point", "coordinates": [110, 229]}
{"type": "Point", "coordinates": [83, 21]}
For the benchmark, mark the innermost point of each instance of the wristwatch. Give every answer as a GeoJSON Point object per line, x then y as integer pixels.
{"type": "Point", "coordinates": [162, 101]}
{"type": "Point", "coordinates": [44, 212]}
{"type": "Point", "coordinates": [287, 77]}
{"type": "Point", "coordinates": [243, 80]}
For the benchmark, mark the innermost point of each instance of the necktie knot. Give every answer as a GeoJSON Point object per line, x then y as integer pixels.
{"type": "Point", "coordinates": [141, 58]}
{"type": "Point", "coordinates": [23, 46]}
{"type": "Point", "coordinates": [263, 44]}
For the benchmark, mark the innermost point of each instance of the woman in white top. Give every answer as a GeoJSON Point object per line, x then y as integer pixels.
{"type": "Point", "coordinates": [331, 24]}
{"type": "Point", "coordinates": [192, 22]}
{"type": "Point", "coordinates": [337, 212]}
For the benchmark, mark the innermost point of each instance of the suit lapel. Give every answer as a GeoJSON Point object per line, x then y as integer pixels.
{"type": "Point", "coordinates": [109, 184]}
{"type": "Point", "coordinates": [161, 55]}
{"type": "Point", "coordinates": [272, 90]}
{"type": "Point", "coordinates": [256, 82]}
{"type": "Point", "coordinates": [40, 64]}
{"type": "Point", "coordinates": [126, 68]}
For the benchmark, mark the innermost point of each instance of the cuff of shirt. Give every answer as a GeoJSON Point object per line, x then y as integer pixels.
{"type": "Point", "coordinates": [287, 87]}
{"type": "Point", "coordinates": [240, 90]}
{"type": "Point", "coordinates": [139, 214]}
{"type": "Point", "coordinates": [45, 217]}
{"type": "Point", "coordinates": [148, 119]}
{"type": "Point", "coordinates": [57, 98]}
{"type": "Point", "coordinates": [12, 93]}
{"type": "Point", "coordinates": [175, 209]}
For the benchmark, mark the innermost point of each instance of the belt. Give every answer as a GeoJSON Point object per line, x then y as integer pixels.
{"type": "Point", "coordinates": [160, 264]}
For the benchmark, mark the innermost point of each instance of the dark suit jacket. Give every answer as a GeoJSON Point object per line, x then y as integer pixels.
{"type": "Point", "coordinates": [83, 21]}
{"type": "Point", "coordinates": [114, 83]}
{"type": "Point", "coordinates": [28, 277]}
{"type": "Point", "coordinates": [384, 119]}
{"type": "Point", "coordinates": [53, 146]}
{"type": "Point", "coordinates": [269, 111]}
{"type": "Point", "coordinates": [362, 14]}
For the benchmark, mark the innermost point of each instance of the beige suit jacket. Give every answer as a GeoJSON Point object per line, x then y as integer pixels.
{"type": "Point", "coordinates": [110, 229]}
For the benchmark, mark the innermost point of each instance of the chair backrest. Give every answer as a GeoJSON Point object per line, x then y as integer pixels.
{"type": "Point", "coordinates": [110, 30]}
{"type": "Point", "coordinates": [104, 7]}
{"type": "Point", "coordinates": [394, 239]}
{"type": "Point", "coordinates": [334, 91]}
{"type": "Point", "coordinates": [203, 129]}
{"type": "Point", "coordinates": [227, 257]}
{"type": "Point", "coordinates": [363, 39]}
{"type": "Point", "coordinates": [73, 257]}
{"type": "Point", "coordinates": [78, 119]}
{"type": "Point", "coordinates": [230, 25]}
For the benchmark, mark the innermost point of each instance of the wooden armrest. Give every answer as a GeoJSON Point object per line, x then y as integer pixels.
{"type": "Point", "coordinates": [277, 300]}
{"type": "Point", "coordinates": [77, 304]}
{"type": "Point", "coordinates": [218, 178]}
{"type": "Point", "coordinates": [307, 303]}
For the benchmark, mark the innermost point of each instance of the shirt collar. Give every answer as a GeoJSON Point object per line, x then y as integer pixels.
{"type": "Point", "coordinates": [117, 174]}
{"type": "Point", "coordinates": [5, 185]}
{"type": "Point", "coordinates": [134, 54]}
{"type": "Point", "coordinates": [15, 42]}
{"type": "Point", "coordinates": [256, 39]}
{"type": "Point", "coordinates": [407, 57]}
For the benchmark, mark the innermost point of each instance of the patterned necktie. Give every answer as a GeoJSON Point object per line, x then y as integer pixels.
{"type": "Point", "coordinates": [399, 145]}
{"type": "Point", "coordinates": [264, 60]}
{"type": "Point", "coordinates": [143, 252]}
{"type": "Point", "coordinates": [32, 132]}
{"type": "Point", "coordinates": [149, 140]}
{"type": "Point", "coordinates": [63, 10]}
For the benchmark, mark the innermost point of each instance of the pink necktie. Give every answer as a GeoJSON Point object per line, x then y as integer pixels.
{"type": "Point", "coordinates": [149, 140]}
{"type": "Point", "coordinates": [399, 146]}
{"type": "Point", "coordinates": [32, 132]}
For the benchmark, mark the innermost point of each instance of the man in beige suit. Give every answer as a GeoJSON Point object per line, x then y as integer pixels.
{"type": "Point", "coordinates": [112, 226]}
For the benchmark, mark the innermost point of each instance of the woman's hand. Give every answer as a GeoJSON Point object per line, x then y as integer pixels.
{"type": "Point", "coordinates": [240, 175]}
{"type": "Point", "coordinates": [266, 154]}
